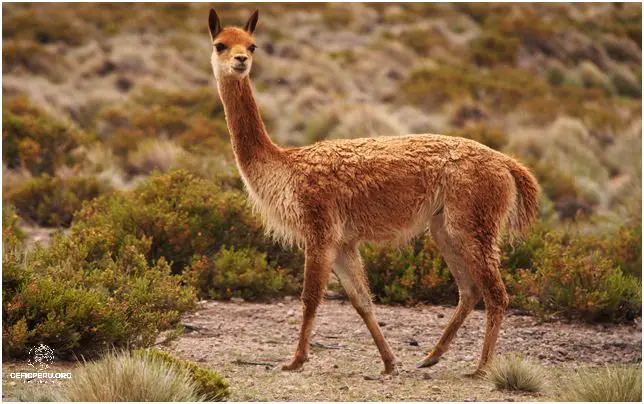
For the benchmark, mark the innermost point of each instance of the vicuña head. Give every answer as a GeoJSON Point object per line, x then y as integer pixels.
{"type": "Point", "coordinates": [232, 47]}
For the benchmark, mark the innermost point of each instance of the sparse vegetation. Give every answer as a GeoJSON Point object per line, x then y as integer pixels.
{"type": "Point", "coordinates": [514, 372]}
{"type": "Point", "coordinates": [608, 384]}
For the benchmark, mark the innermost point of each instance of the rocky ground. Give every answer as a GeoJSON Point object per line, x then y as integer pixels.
{"type": "Point", "coordinates": [245, 341]}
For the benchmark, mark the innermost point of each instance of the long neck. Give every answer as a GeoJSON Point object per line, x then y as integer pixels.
{"type": "Point", "coordinates": [249, 137]}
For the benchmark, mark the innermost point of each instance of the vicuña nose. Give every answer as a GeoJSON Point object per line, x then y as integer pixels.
{"type": "Point", "coordinates": [241, 58]}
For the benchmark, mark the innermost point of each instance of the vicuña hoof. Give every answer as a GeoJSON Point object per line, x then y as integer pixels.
{"type": "Point", "coordinates": [293, 365]}
{"type": "Point", "coordinates": [427, 362]}
{"type": "Point", "coordinates": [391, 370]}
{"type": "Point", "coordinates": [479, 373]}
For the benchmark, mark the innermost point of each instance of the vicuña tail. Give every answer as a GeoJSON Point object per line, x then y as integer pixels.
{"type": "Point", "coordinates": [526, 208]}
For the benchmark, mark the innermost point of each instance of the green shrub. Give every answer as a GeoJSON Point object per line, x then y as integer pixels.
{"type": "Point", "coordinates": [618, 384]}
{"type": "Point", "coordinates": [240, 273]}
{"type": "Point", "coordinates": [626, 248]}
{"type": "Point", "coordinates": [131, 378]}
{"type": "Point", "coordinates": [12, 235]}
{"type": "Point", "coordinates": [492, 48]}
{"type": "Point", "coordinates": [513, 372]}
{"type": "Point", "coordinates": [32, 139]}
{"type": "Point", "coordinates": [208, 383]}
{"type": "Point", "coordinates": [183, 216]}
{"type": "Point", "coordinates": [573, 277]}
{"type": "Point", "coordinates": [78, 301]}
{"type": "Point", "coordinates": [409, 274]}
{"type": "Point", "coordinates": [52, 201]}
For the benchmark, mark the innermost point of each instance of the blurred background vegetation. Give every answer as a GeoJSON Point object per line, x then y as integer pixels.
{"type": "Point", "coordinates": [122, 205]}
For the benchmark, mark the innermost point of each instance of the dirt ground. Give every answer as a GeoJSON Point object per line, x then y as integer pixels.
{"type": "Point", "coordinates": [245, 342]}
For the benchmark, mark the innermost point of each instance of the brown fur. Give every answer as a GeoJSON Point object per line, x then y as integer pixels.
{"type": "Point", "coordinates": [331, 196]}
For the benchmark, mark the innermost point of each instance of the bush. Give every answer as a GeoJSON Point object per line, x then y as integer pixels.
{"type": "Point", "coordinates": [12, 235]}
{"type": "Point", "coordinates": [493, 48]}
{"type": "Point", "coordinates": [572, 276]}
{"type": "Point", "coordinates": [608, 384]}
{"type": "Point", "coordinates": [131, 378]}
{"type": "Point", "coordinates": [32, 139]}
{"type": "Point", "coordinates": [409, 274]}
{"type": "Point", "coordinates": [77, 301]}
{"type": "Point", "coordinates": [208, 383]}
{"type": "Point", "coordinates": [183, 216]}
{"type": "Point", "coordinates": [513, 372]}
{"type": "Point", "coordinates": [240, 273]}
{"type": "Point", "coordinates": [52, 201]}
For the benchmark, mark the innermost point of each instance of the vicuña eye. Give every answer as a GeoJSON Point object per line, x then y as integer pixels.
{"type": "Point", "coordinates": [252, 48]}
{"type": "Point", "coordinates": [220, 47]}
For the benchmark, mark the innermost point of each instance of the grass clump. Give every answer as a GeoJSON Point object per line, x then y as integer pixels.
{"type": "Point", "coordinates": [606, 385]}
{"type": "Point", "coordinates": [208, 383]}
{"type": "Point", "coordinates": [513, 372]}
{"type": "Point", "coordinates": [52, 201]}
{"type": "Point", "coordinates": [131, 378]}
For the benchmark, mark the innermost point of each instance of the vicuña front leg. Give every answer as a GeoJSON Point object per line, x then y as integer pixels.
{"type": "Point", "coordinates": [317, 269]}
{"type": "Point", "coordinates": [350, 270]}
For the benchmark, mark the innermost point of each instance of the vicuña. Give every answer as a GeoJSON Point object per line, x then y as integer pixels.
{"type": "Point", "coordinates": [333, 195]}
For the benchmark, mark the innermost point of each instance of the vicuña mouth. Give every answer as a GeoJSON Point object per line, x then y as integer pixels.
{"type": "Point", "coordinates": [239, 69]}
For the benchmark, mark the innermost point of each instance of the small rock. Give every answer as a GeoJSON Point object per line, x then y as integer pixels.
{"type": "Point", "coordinates": [344, 388]}
{"type": "Point", "coordinates": [468, 358]}
{"type": "Point", "coordinates": [290, 313]}
{"type": "Point", "coordinates": [427, 376]}
{"type": "Point", "coordinates": [288, 298]}
{"type": "Point", "coordinates": [436, 389]}
{"type": "Point", "coordinates": [469, 400]}
{"type": "Point", "coordinates": [440, 315]}
{"type": "Point", "coordinates": [237, 300]}
{"type": "Point", "coordinates": [412, 342]}
{"type": "Point", "coordinates": [382, 323]}
{"type": "Point", "coordinates": [510, 399]}
{"type": "Point", "coordinates": [12, 383]}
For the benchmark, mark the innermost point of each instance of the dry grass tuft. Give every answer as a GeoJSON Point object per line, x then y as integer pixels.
{"type": "Point", "coordinates": [125, 377]}
{"type": "Point", "coordinates": [514, 372]}
{"type": "Point", "coordinates": [607, 384]}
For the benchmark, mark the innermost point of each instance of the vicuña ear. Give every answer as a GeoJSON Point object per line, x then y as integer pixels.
{"type": "Point", "coordinates": [252, 22]}
{"type": "Point", "coordinates": [213, 24]}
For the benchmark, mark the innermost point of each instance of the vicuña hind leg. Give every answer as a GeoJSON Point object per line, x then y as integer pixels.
{"type": "Point", "coordinates": [468, 292]}
{"type": "Point", "coordinates": [317, 269]}
{"type": "Point", "coordinates": [488, 278]}
{"type": "Point", "coordinates": [349, 269]}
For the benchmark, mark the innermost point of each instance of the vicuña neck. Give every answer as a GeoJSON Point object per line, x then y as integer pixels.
{"type": "Point", "coordinates": [249, 137]}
